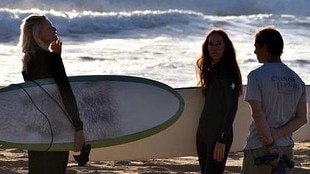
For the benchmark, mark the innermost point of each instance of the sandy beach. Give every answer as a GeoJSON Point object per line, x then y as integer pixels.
{"type": "Point", "coordinates": [14, 161]}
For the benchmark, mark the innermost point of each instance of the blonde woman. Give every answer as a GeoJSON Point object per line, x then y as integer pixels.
{"type": "Point", "coordinates": [42, 59]}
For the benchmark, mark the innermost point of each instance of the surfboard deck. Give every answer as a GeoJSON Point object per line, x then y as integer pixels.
{"type": "Point", "coordinates": [178, 140]}
{"type": "Point", "coordinates": [114, 110]}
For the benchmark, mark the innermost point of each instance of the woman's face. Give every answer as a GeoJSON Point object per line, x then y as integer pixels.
{"type": "Point", "coordinates": [216, 47]}
{"type": "Point", "coordinates": [48, 32]}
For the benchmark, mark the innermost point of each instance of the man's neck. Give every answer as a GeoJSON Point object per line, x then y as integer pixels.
{"type": "Point", "coordinates": [273, 59]}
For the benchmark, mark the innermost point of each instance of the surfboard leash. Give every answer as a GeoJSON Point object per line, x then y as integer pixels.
{"type": "Point", "coordinates": [83, 157]}
{"type": "Point", "coordinates": [54, 100]}
{"type": "Point", "coordinates": [45, 116]}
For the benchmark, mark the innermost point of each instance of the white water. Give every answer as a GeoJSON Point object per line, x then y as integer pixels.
{"type": "Point", "coordinates": [156, 39]}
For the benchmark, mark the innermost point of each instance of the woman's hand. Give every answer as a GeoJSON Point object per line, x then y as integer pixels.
{"type": "Point", "coordinates": [219, 151]}
{"type": "Point", "coordinates": [56, 46]}
{"type": "Point", "coordinates": [79, 141]}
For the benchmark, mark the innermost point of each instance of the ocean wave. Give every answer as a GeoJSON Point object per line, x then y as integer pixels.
{"type": "Point", "coordinates": [93, 25]}
{"type": "Point", "coordinates": [76, 24]}
{"type": "Point", "coordinates": [211, 7]}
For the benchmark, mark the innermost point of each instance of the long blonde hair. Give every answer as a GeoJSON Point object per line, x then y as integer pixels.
{"type": "Point", "coordinates": [30, 40]}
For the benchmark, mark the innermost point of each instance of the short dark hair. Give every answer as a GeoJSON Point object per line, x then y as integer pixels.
{"type": "Point", "coordinates": [271, 38]}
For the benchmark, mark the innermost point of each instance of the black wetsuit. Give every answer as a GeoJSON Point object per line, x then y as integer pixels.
{"type": "Point", "coordinates": [215, 124]}
{"type": "Point", "coordinates": [44, 64]}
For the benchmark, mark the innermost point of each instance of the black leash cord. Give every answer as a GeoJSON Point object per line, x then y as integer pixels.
{"type": "Point", "coordinates": [56, 102]}
{"type": "Point", "coordinates": [45, 116]}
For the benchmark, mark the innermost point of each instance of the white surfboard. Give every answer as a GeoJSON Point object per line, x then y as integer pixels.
{"type": "Point", "coordinates": [179, 139]}
{"type": "Point", "coordinates": [114, 110]}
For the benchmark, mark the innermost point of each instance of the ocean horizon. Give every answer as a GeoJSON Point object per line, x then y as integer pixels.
{"type": "Point", "coordinates": [155, 39]}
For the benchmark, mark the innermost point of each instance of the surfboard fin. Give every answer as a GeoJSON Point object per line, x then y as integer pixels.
{"type": "Point", "coordinates": [82, 159]}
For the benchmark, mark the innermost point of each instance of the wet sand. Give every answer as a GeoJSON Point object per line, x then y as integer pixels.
{"type": "Point", "coordinates": [14, 161]}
